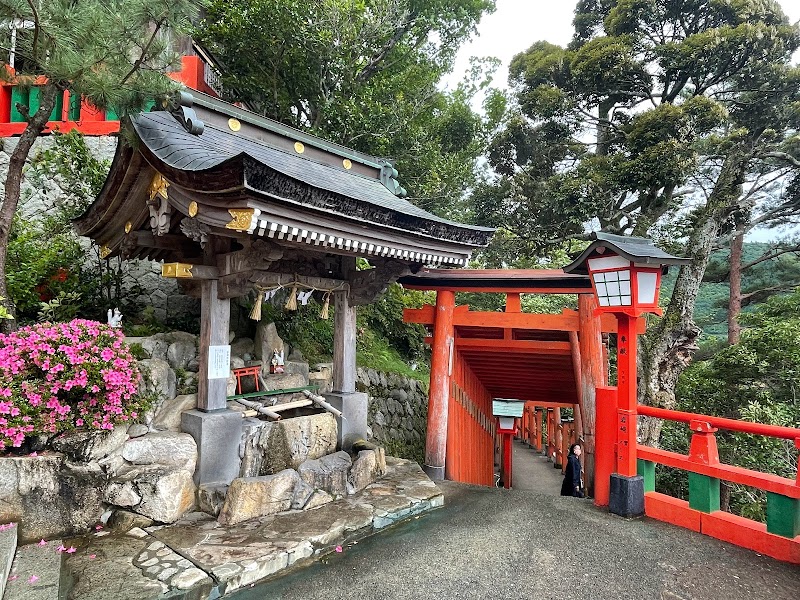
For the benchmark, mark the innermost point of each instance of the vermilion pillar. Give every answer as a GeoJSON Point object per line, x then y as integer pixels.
{"type": "Point", "coordinates": [441, 370]}
{"type": "Point", "coordinates": [593, 369]}
{"type": "Point", "coordinates": [626, 386]}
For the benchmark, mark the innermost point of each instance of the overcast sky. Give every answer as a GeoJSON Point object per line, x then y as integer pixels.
{"type": "Point", "coordinates": [516, 24]}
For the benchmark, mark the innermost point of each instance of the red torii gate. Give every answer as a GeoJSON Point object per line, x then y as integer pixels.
{"type": "Point", "coordinates": [478, 356]}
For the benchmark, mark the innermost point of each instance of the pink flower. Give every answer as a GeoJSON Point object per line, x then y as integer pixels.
{"type": "Point", "coordinates": [338, 548]}
{"type": "Point", "coordinates": [71, 550]}
{"type": "Point", "coordinates": [33, 579]}
{"type": "Point", "coordinates": [61, 548]}
{"type": "Point", "coordinates": [42, 542]}
{"type": "Point", "coordinates": [93, 556]}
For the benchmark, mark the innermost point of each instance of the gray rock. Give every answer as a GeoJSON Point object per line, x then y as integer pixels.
{"type": "Point", "coordinates": [379, 418]}
{"type": "Point", "coordinates": [211, 497]}
{"type": "Point", "coordinates": [49, 497]}
{"type": "Point", "coordinates": [88, 445]}
{"type": "Point", "coordinates": [180, 353]}
{"type": "Point", "coordinates": [190, 578]}
{"type": "Point", "coordinates": [162, 448]}
{"type": "Point", "coordinates": [251, 497]}
{"type": "Point", "coordinates": [267, 340]}
{"type": "Point", "coordinates": [155, 348]}
{"type": "Point", "coordinates": [122, 493]}
{"type": "Point", "coordinates": [237, 362]}
{"type": "Point", "coordinates": [270, 447]}
{"type": "Point", "coordinates": [292, 367]}
{"type": "Point", "coordinates": [317, 499]}
{"type": "Point", "coordinates": [122, 521]}
{"type": "Point", "coordinates": [399, 395]}
{"type": "Point", "coordinates": [138, 430]}
{"type": "Point", "coordinates": [8, 547]}
{"type": "Point", "coordinates": [302, 493]}
{"type": "Point", "coordinates": [328, 473]}
{"type": "Point", "coordinates": [168, 415]}
{"type": "Point", "coordinates": [242, 346]}
{"type": "Point", "coordinates": [282, 381]}
{"type": "Point", "coordinates": [364, 471]}
{"type": "Point", "coordinates": [166, 495]}
{"type": "Point", "coordinates": [158, 377]}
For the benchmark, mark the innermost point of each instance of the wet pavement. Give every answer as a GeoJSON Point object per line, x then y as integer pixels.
{"type": "Point", "coordinates": [533, 544]}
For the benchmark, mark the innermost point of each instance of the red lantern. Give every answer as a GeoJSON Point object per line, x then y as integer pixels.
{"type": "Point", "coordinates": [623, 286]}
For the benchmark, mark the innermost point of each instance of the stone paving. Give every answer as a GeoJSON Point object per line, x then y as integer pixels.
{"type": "Point", "coordinates": [198, 558]}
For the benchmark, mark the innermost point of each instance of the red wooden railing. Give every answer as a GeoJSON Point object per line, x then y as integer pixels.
{"type": "Point", "coordinates": [779, 537]}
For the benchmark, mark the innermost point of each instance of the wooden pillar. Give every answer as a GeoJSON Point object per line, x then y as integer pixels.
{"type": "Point", "coordinates": [215, 351]}
{"type": "Point", "coordinates": [344, 344]}
{"type": "Point", "coordinates": [593, 368]}
{"type": "Point", "coordinates": [576, 369]}
{"type": "Point", "coordinates": [441, 369]}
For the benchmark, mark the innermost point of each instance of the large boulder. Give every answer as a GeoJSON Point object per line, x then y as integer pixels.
{"type": "Point", "coordinates": [155, 348]}
{"type": "Point", "coordinates": [166, 494]}
{"type": "Point", "coordinates": [328, 473]}
{"type": "Point", "coordinates": [282, 381]}
{"type": "Point", "coordinates": [164, 448]}
{"type": "Point", "coordinates": [159, 378]}
{"type": "Point", "coordinates": [267, 340]}
{"type": "Point", "coordinates": [83, 445]}
{"type": "Point", "coordinates": [242, 346]}
{"type": "Point", "coordinates": [181, 353]}
{"type": "Point", "coordinates": [168, 415]}
{"type": "Point", "coordinates": [251, 497]}
{"type": "Point", "coordinates": [271, 447]}
{"type": "Point", "coordinates": [50, 497]}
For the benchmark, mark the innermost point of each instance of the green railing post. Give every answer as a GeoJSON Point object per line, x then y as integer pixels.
{"type": "Point", "coordinates": [783, 515]}
{"type": "Point", "coordinates": [703, 493]}
{"type": "Point", "coordinates": [647, 470]}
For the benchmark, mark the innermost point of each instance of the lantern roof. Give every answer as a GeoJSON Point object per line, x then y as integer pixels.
{"type": "Point", "coordinates": [635, 249]}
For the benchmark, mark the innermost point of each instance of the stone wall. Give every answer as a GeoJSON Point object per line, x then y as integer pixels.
{"type": "Point", "coordinates": [398, 410]}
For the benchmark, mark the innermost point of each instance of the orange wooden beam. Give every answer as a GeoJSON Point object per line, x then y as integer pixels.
{"type": "Point", "coordinates": [566, 321]}
{"type": "Point", "coordinates": [516, 346]}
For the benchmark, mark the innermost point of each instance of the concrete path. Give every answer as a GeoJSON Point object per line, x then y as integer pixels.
{"type": "Point", "coordinates": [518, 544]}
{"type": "Point", "coordinates": [533, 472]}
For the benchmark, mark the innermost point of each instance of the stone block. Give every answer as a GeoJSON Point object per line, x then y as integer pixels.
{"type": "Point", "coordinates": [165, 448]}
{"type": "Point", "coordinates": [155, 348]}
{"type": "Point", "coordinates": [626, 495]}
{"type": "Point", "coordinates": [317, 499]}
{"type": "Point", "coordinates": [302, 493]}
{"type": "Point", "coordinates": [292, 367]}
{"type": "Point", "coordinates": [363, 472]}
{"type": "Point", "coordinates": [251, 497]}
{"type": "Point", "coordinates": [242, 346]}
{"type": "Point", "coordinates": [328, 473]}
{"type": "Point", "coordinates": [270, 447]}
{"type": "Point", "coordinates": [168, 415]}
{"type": "Point", "coordinates": [49, 497]}
{"type": "Point", "coordinates": [354, 406]}
{"type": "Point", "coordinates": [166, 495]}
{"type": "Point", "coordinates": [217, 435]}
{"type": "Point", "coordinates": [281, 381]}
{"type": "Point", "coordinates": [45, 564]}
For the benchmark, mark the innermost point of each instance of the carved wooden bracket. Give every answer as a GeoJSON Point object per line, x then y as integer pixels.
{"type": "Point", "coordinates": [196, 231]}
{"type": "Point", "coordinates": [367, 286]}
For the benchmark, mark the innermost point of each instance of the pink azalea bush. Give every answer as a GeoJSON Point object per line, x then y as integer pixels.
{"type": "Point", "coordinates": [58, 376]}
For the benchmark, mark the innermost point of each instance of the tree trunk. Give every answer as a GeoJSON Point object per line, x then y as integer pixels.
{"type": "Point", "coordinates": [735, 278]}
{"type": "Point", "coordinates": [13, 184]}
{"type": "Point", "coordinates": [667, 348]}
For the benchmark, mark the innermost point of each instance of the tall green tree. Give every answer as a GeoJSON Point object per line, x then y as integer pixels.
{"type": "Point", "coordinates": [651, 122]}
{"type": "Point", "coordinates": [363, 73]}
{"type": "Point", "coordinates": [114, 53]}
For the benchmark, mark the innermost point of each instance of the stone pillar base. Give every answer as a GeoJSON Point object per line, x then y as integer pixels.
{"type": "Point", "coordinates": [354, 408]}
{"type": "Point", "coordinates": [626, 497]}
{"type": "Point", "coordinates": [434, 473]}
{"type": "Point", "coordinates": [218, 434]}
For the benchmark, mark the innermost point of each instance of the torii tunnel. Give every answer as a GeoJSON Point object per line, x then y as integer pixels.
{"type": "Point", "coordinates": [551, 359]}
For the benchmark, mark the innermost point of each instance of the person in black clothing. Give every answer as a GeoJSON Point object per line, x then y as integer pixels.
{"type": "Point", "coordinates": [572, 477]}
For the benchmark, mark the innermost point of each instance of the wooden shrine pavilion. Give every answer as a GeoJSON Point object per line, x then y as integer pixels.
{"type": "Point", "coordinates": [233, 203]}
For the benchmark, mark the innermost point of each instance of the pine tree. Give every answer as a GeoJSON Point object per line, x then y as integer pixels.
{"type": "Point", "coordinates": [114, 53]}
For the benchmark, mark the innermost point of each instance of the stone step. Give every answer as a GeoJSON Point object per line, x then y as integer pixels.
{"type": "Point", "coordinates": [35, 573]}
{"type": "Point", "coordinates": [8, 546]}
